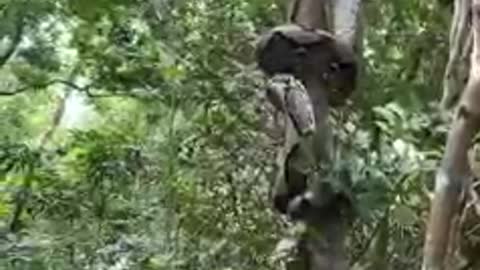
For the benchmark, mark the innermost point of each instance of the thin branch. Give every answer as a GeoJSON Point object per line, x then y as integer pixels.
{"type": "Point", "coordinates": [56, 118]}
{"type": "Point", "coordinates": [89, 94]}
{"type": "Point", "coordinates": [85, 89]}
{"type": "Point", "coordinates": [15, 92]}
{"type": "Point", "coordinates": [88, 90]}
{"type": "Point", "coordinates": [44, 85]}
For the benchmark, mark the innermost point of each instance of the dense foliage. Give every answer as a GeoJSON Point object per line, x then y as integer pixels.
{"type": "Point", "coordinates": [131, 140]}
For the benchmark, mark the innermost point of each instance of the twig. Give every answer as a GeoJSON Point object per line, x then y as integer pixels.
{"type": "Point", "coordinates": [85, 89]}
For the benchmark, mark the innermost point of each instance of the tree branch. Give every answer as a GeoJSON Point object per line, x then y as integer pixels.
{"type": "Point", "coordinates": [15, 92]}
{"type": "Point", "coordinates": [84, 89]}
{"type": "Point", "coordinates": [47, 84]}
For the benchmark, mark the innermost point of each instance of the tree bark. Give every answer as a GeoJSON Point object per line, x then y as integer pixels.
{"type": "Point", "coordinates": [321, 246]}
{"type": "Point", "coordinates": [454, 176]}
{"type": "Point", "coordinates": [456, 72]}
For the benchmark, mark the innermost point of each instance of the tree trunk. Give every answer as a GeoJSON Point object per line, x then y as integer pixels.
{"type": "Point", "coordinates": [321, 245]}
{"type": "Point", "coordinates": [454, 176]}
{"type": "Point", "coordinates": [456, 72]}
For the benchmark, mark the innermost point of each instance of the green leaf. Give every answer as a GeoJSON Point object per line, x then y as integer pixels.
{"type": "Point", "coordinates": [404, 215]}
{"type": "Point", "coordinates": [30, 76]}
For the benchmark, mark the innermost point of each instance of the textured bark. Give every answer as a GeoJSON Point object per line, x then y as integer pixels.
{"type": "Point", "coordinates": [456, 72]}
{"type": "Point", "coordinates": [315, 14]}
{"type": "Point", "coordinates": [347, 22]}
{"type": "Point", "coordinates": [325, 63]}
{"type": "Point", "coordinates": [454, 175]}
{"type": "Point", "coordinates": [326, 250]}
